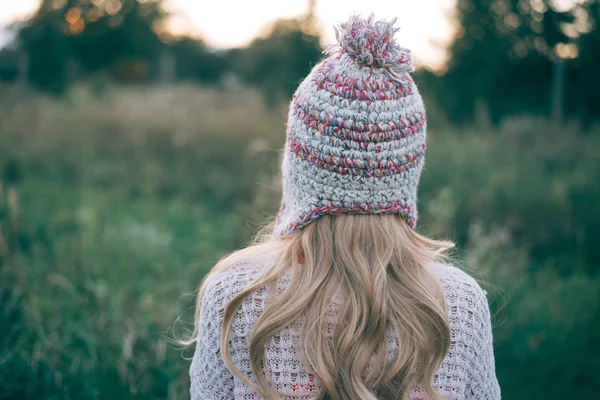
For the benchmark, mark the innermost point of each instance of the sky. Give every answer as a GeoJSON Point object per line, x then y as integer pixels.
{"type": "Point", "coordinates": [426, 25]}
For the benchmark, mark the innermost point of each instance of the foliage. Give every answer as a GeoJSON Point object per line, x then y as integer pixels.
{"type": "Point", "coordinates": [194, 61]}
{"type": "Point", "coordinates": [114, 227]}
{"type": "Point", "coordinates": [90, 36]}
{"type": "Point", "coordinates": [587, 83]}
{"type": "Point", "coordinates": [507, 52]}
{"type": "Point", "coordinates": [112, 208]}
{"type": "Point", "coordinates": [534, 179]}
{"type": "Point", "coordinates": [67, 40]}
{"type": "Point", "coordinates": [507, 56]}
{"type": "Point", "coordinates": [278, 61]}
{"type": "Point", "coordinates": [546, 324]}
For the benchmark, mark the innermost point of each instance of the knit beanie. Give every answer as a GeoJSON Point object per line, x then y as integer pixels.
{"type": "Point", "coordinates": [355, 137]}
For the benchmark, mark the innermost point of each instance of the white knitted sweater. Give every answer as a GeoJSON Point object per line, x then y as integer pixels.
{"type": "Point", "coordinates": [467, 372]}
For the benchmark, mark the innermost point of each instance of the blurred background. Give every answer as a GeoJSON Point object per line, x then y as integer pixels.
{"type": "Point", "coordinates": [139, 142]}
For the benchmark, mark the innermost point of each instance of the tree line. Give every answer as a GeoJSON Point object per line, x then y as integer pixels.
{"type": "Point", "coordinates": [507, 56]}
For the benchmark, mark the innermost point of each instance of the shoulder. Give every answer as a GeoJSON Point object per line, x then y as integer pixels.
{"type": "Point", "coordinates": [466, 302]}
{"type": "Point", "coordinates": [457, 282]}
{"type": "Point", "coordinates": [221, 286]}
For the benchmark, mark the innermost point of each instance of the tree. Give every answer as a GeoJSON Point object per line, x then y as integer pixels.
{"type": "Point", "coordinates": [280, 59]}
{"type": "Point", "coordinates": [194, 60]}
{"type": "Point", "coordinates": [583, 92]}
{"type": "Point", "coordinates": [505, 52]}
{"type": "Point", "coordinates": [92, 34]}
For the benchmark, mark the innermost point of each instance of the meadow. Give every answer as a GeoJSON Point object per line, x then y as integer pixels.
{"type": "Point", "coordinates": [115, 203]}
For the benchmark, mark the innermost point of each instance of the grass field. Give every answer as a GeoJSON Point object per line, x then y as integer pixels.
{"type": "Point", "coordinates": [113, 207]}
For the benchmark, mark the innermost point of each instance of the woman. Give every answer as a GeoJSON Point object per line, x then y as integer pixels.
{"type": "Point", "coordinates": [342, 299]}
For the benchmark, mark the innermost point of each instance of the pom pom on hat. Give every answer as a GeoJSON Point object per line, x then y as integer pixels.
{"type": "Point", "coordinates": [372, 43]}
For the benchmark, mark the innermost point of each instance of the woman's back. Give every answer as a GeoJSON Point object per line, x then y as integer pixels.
{"type": "Point", "coordinates": [467, 371]}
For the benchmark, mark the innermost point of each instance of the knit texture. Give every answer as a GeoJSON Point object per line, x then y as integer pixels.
{"type": "Point", "coordinates": [355, 138]}
{"type": "Point", "coordinates": [466, 373]}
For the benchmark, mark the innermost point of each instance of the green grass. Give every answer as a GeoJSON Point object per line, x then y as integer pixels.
{"type": "Point", "coordinates": [113, 209]}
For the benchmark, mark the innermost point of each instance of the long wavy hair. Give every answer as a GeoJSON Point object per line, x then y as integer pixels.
{"type": "Point", "coordinates": [377, 266]}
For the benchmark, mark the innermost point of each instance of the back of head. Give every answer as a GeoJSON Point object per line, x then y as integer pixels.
{"type": "Point", "coordinates": [353, 156]}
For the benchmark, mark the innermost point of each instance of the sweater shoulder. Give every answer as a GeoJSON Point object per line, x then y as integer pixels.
{"type": "Point", "coordinates": [223, 285]}
{"type": "Point", "coordinates": [467, 305]}
{"type": "Point", "coordinates": [457, 282]}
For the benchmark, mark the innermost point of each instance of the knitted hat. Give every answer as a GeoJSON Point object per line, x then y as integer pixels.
{"type": "Point", "coordinates": [355, 133]}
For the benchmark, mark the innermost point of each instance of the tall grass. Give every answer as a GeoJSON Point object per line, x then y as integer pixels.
{"type": "Point", "coordinates": [114, 207]}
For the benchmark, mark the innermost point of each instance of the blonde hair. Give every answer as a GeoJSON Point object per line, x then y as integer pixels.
{"type": "Point", "coordinates": [377, 265]}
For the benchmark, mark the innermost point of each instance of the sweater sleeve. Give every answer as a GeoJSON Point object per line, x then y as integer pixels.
{"type": "Point", "coordinates": [210, 378]}
{"type": "Point", "coordinates": [482, 383]}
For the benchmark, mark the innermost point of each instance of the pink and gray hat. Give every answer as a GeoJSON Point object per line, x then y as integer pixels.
{"type": "Point", "coordinates": [355, 132]}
